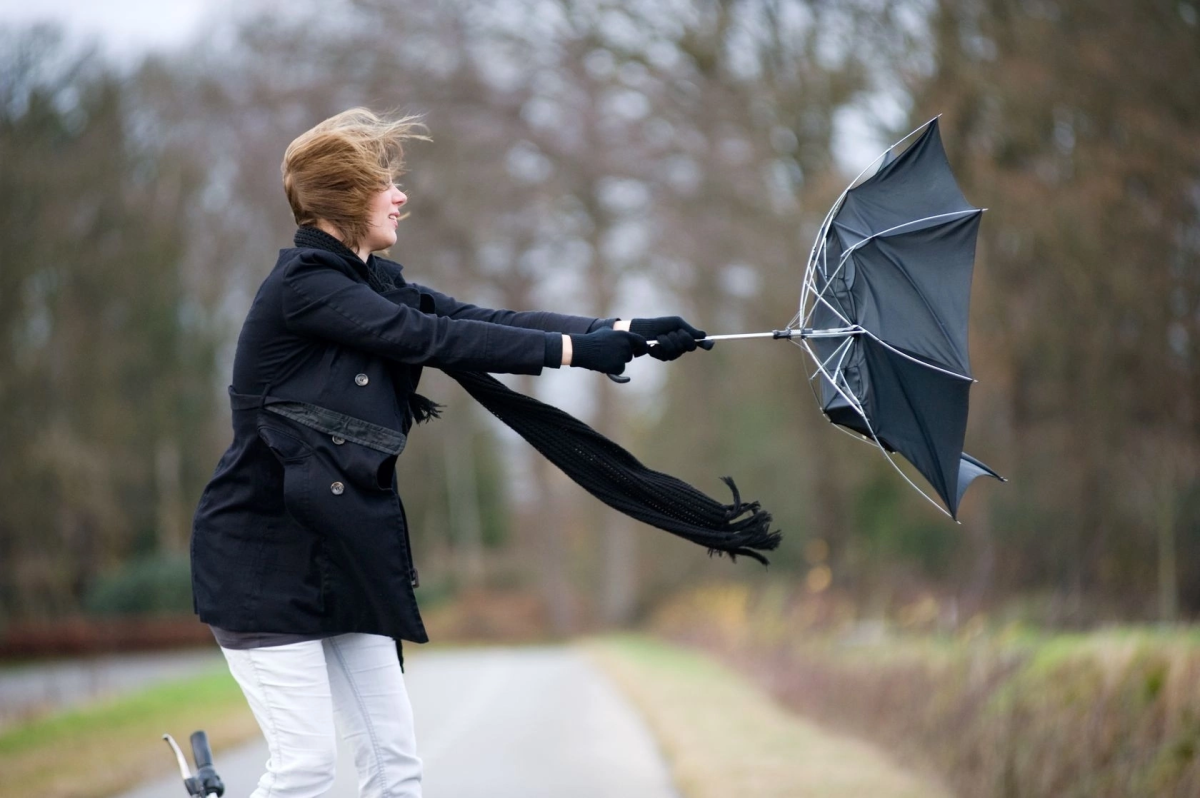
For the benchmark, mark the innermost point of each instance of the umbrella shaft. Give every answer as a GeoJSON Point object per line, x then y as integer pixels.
{"type": "Point", "coordinates": [806, 332]}
{"type": "Point", "coordinates": [745, 335]}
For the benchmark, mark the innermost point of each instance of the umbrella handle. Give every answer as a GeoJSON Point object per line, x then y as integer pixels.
{"type": "Point", "coordinates": [799, 332]}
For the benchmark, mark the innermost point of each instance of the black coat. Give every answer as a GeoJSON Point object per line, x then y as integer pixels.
{"type": "Point", "coordinates": [301, 528]}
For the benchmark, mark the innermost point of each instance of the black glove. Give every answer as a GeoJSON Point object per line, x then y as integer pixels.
{"type": "Point", "coordinates": [606, 349]}
{"type": "Point", "coordinates": [672, 334]}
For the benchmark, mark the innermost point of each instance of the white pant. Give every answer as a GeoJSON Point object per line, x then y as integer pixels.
{"type": "Point", "coordinates": [295, 691]}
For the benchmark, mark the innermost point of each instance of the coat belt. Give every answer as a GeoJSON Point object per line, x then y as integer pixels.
{"type": "Point", "coordinates": [324, 420]}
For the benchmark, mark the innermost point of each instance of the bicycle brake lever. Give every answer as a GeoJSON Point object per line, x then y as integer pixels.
{"type": "Point", "coordinates": [190, 782]}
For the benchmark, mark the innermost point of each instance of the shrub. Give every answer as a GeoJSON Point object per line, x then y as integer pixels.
{"type": "Point", "coordinates": [1108, 714]}
{"type": "Point", "coordinates": [159, 583]}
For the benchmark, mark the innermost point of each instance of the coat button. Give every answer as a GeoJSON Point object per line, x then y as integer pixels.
{"type": "Point", "coordinates": [338, 440]}
{"type": "Point", "coordinates": [337, 488]}
{"type": "Point", "coordinates": [361, 379]}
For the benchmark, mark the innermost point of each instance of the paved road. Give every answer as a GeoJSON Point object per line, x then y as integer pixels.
{"type": "Point", "coordinates": [27, 690]}
{"type": "Point", "coordinates": [500, 723]}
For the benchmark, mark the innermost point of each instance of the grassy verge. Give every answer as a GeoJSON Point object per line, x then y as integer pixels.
{"type": "Point", "coordinates": [723, 736]}
{"type": "Point", "coordinates": [113, 745]}
{"type": "Point", "coordinates": [997, 713]}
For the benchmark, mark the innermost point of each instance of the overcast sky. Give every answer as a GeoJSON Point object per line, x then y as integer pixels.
{"type": "Point", "coordinates": [125, 27]}
{"type": "Point", "coordinates": [130, 28]}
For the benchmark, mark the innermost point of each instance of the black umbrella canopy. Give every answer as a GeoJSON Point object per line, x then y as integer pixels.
{"type": "Point", "coordinates": [888, 292]}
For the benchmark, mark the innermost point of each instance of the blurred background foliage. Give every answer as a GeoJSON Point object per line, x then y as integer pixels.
{"type": "Point", "coordinates": [625, 158]}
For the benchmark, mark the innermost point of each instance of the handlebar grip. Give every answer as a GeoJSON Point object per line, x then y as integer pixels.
{"type": "Point", "coordinates": [206, 774]}
{"type": "Point", "coordinates": [200, 750]}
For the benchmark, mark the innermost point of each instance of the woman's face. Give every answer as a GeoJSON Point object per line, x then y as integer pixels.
{"type": "Point", "coordinates": [384, 216]}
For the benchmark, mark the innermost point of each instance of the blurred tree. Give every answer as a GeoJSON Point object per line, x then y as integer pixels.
{"type": "Point", "coordinates": [1075, 122]}
{"type": "Point", "coordinates": [105, 374]}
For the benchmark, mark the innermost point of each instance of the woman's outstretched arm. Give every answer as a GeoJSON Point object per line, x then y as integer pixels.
{"type": "Point", "coordinates": [544, 320]}
{"type": "Point", "coordinates": [321, 300]}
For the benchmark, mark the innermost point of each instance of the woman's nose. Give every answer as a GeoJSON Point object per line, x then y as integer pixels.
{"type": "Point", "coordinates": [400, 198]}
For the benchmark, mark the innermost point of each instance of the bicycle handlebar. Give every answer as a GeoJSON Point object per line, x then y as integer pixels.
{"type": "Point", "coordinates": [206, 782]}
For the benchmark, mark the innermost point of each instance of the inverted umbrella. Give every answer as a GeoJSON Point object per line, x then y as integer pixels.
{"type": "Point", "coordinates": [883, 313]}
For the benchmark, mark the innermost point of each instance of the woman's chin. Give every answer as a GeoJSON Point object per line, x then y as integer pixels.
{"type": "Point", "coordinates": [383, 242]}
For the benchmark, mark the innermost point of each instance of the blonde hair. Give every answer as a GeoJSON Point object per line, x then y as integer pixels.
{"type": "Point", "coordinates": [332, 171]}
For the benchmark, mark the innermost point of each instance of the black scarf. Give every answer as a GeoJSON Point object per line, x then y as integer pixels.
{"type": "Point", "coordinates": [592, 461]}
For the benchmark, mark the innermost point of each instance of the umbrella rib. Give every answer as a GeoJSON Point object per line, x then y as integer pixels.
{"type": "Point", "coordinates": [857, 405]}
{"type": "Point", "coordinates": [835, 311]}
{"type": "Point", "coordinates": [806, 286]}
{"type": "Point", "coordinates": [819, 243]}
{"type": "Point", "coordinates": [900, 471]}
{"type": "Point", "coordinates": [844, 345]}
{"type": "Point", "coordinates": [857, 245]}
{"type": "Point", "coordinates": [803, 344]}
{"type": "Point", "coordinates": [855, 435]}
{"type": "Point", "coordinates": [839, 372]}
{"type": "Point", "coordinates": [851, 398]}
{"type": "Point", "coordinates": [860, 244]}
{"type": "Point", "coordinates": [818, 248]}
{"type": "Point", "coordinates": [915, 221]}
{"type": "Point", "coordinates": [907, 356]}
{"type": "Point", "coordinates": [924, 299]}
{"type": "Point", "coordinates": [818, 298]}
{"type": "Point", "coordinates": [842, 361]}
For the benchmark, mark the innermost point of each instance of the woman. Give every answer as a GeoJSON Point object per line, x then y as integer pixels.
{"type": "Point", "coordinates": [301, 562]}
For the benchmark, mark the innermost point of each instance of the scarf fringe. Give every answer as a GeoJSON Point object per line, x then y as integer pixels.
{"type": "Point", "coordinates": [423, 408]}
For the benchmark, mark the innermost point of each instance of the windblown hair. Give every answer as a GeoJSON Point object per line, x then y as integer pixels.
{"type": "Point", "coordinates": [332, 171]}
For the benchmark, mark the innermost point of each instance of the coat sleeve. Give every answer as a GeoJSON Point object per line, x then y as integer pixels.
{"type": "Point", "coordinates": [321, 300]}
{"type": "Point", "coordinates": [451, 308]}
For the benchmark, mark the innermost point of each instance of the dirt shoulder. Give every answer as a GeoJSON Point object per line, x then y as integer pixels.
{"type": "Point", "coordinates": [723, 736]}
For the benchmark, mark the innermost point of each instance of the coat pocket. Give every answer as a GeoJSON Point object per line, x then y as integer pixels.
{"type": "Point", "coordinates": [363, 452]}
{"type": "Point", "coordinates": [300, 563]}
{"type": "Point", "coordinates": [316, 462]}
{"type": "Point", "coordinates": [361, 466]}
{"type": "Point", "coordinates": [295, 456]}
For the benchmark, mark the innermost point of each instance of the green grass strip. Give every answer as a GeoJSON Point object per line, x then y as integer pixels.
{"type": "Point", "coordinates": [112, 744]}
{"type": "Point", "coordinates": [163, 702]}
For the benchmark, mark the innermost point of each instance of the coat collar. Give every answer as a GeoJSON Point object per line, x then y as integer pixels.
{"type": "Point", "coordinates": [372, 270]}
{"type": "Point", "coordinates": [315, 238]}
